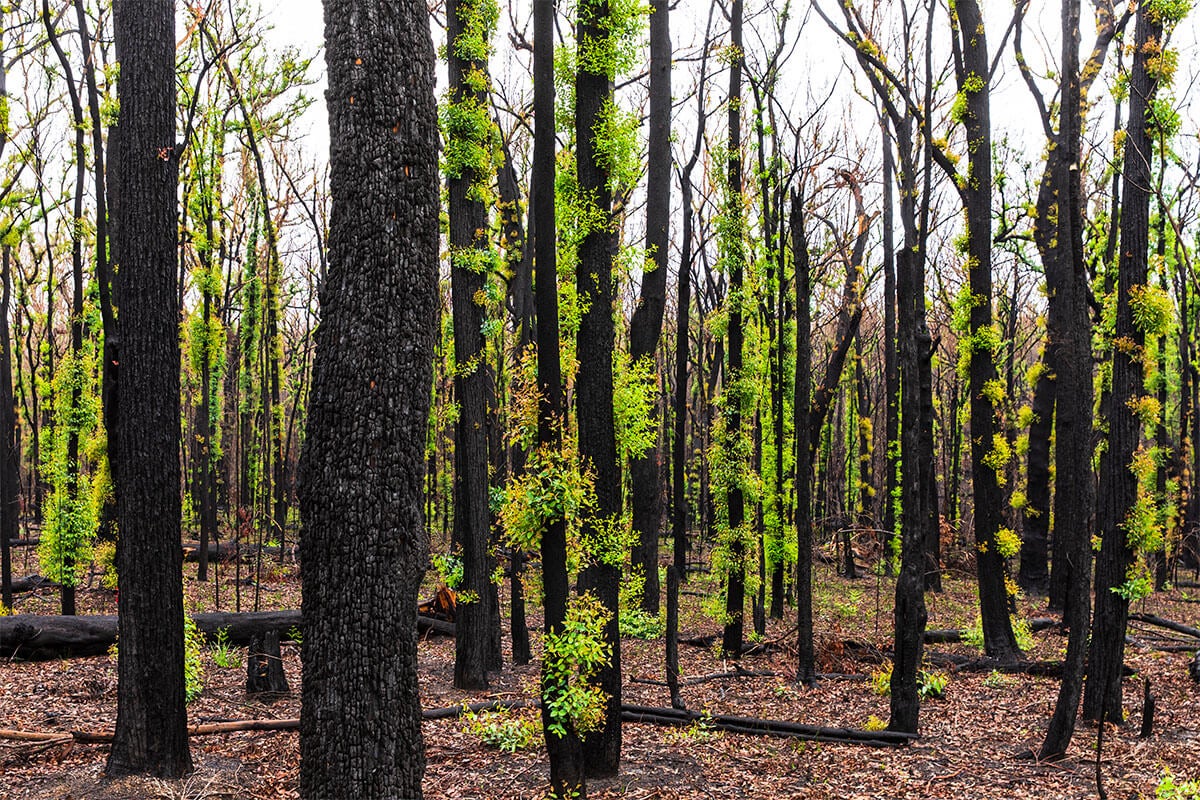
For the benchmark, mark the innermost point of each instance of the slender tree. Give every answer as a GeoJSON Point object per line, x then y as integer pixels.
{"type": "Point", "coordinates": [1074, 484]}
{"type": "Point", "coordinates": [646, 326]}
{"type": "Point", "coordinates": [562, 742]}
{"type": "Point", "coordinates": [733, 257]}
{"type": "Point", "coordinates": [363, 541]}
{"type": "Point", "coordinates": [469, 134]}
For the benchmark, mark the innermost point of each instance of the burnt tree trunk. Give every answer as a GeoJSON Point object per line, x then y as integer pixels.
{"type": "Point", "coordinates": [1118, 484]}
{"type": "Point", "coordinates": [151, 730]}
{"type": "Point", "coordinates": [363, 541]}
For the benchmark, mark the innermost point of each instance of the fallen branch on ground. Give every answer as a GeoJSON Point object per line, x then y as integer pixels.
{"type": "Point", "coordinates": [37, 637]}
{"type": "Point", "coordinates": [630, 713]}
{"type": "Point", "coordinates": [1178, 627]}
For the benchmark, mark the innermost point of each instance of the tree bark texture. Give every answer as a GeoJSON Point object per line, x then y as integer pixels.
{"type": "Point", "coordinates": [986, 473]}
{"type": "Point", "coordinates": [151, 729]}
{"type": "Point", "coordinates": [364, 547]}
{"type": "Point", "coordinates": [594, 283]}
{"type": "Point", "coordinates": [565, 751]}
{"type": "Point", "coordinates": [806, 670]}
{"type": "Point", "coordinates": [1074, 494]}
{"type": "Point", "coordinates": [735, 578]}
{"type": "Point", "coordinates": [469, 244]}
{"type": "Point", "coordinates": [646, 326]}
{"type": "Point", "coordinates": [1118, 484]}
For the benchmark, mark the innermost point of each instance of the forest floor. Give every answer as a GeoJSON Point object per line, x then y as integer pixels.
{"type": "Point", "coordinates": [971, 744]}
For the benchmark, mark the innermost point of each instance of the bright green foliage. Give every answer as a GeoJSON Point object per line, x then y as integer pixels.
{"type": "Point", "coordinates": [1152, 309]}
{"type": "Point", "coordinates": [998, 457]}
{"type": "Point", "coordinates": [636, 623]}
{"type": "Point", "coordinates": [617, 145]}
{"type": "Point", "coordinates": [193, 665]}
{"type": "Point", "coordinates": [449, 568]}
{"type": "Point", "coordinates": [881, 679]}
{"type": "Point", "coordinates": [571, 658]}
{"type": "Point", "coordinates": [617, 52]}
{"type": "Point", "coordinates": [552, 487]}
{"type": "Point", "coordinates": [1170, 789]}
{"type": "Point", "coordinates": [224, 654]}
{"type": "Point", "coordinates": [71, 511]}
{"type": "Point", "coordinates": [1008, 543]}
{"type": "Point", "coordinates": [501, 730]}
{"type": "Point", "coordinates": [932, 685]}
{"type": "Point", "coordinates": [634, 389]}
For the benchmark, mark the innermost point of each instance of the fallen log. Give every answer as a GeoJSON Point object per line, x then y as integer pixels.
{"type": "Point", "coordinates": [629, 713]}
{"type": "Point", "coordinates": [952, 635]}
{"type": "Point", "coordinates": [32, 583]}
{"type": "Point", "coordinates": [37, 637]}
{"type": "Point", "coordinates": [1037, 669]}
{"type": "Point", "coordinates": [764, 727]}
{"type": "Point", "coordinates": [1178, 627]}
{"type": "Point", "coordinates": [227, 551]}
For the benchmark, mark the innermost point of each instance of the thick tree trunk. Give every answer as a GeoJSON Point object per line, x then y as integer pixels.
{"type": "Point", "coordinates": [468, 185]}
{"type": "Point", "coordinates": [363, 541]}
{"type": "Point", "coordinates": [987, 471]}
{"type": "Point", "coordinates": [594, 282]}
{"type": "Point", "coordinates": [1118, 484]}
{"type": "Point", "coordinates": [151, 731]}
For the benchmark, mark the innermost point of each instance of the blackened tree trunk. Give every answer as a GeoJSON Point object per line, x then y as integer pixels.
{"type": "Point", "coordinates": [891, 372]}
{"type": "Point", "coordinates": [1068, 328]}
{"type": "Point", "coordinates": [594, 282]}
{"type": "Point", "coordinates": [646, 326]}
{"type": "Point", "coordinates": [518, 254]}
{"type": "Point", "coordinates": [683, 307]}
{"type": "Point", "coordinates": [10, 455]}
{"type": "Point", "coordinates": [469, 180]}
{"type": "Point", "coordinates": [806, 670]}
{"type": "Point", "coordinates": [151, 729]}
{"type": "Point", "coordinates": [363, 543]}
{"type": "Point", "coordinates": [734, 257]}
{"type": "Point", "coordinates": [564, 749]}
{"type": "Point", "coordinates": [1118, 484]}
{"type": "Point", "coordinates": [1033, 575]}
{"type": "Point", "coordinates": [1074, 487]}
{"type": "Point", "coordinates": [987, 463]}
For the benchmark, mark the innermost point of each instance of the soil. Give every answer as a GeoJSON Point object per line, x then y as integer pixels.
{"type": "Point", "coordinates": [975, 742]}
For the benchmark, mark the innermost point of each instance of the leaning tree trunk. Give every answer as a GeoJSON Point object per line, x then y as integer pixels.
{"type": "Point", "coordinates": [151, 730]}
{"type": "Point", "coordinates": [363, 543]}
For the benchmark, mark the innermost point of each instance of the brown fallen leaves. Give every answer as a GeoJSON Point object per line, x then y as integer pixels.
{"type": "Point", "coordinates": [969, 746]}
